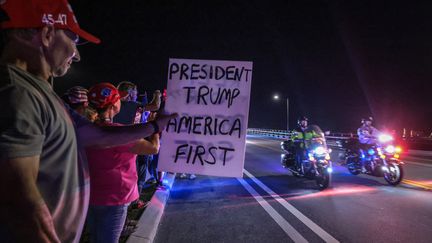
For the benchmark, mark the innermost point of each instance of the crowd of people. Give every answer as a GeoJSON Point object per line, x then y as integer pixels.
{"type": "Point", "coordinates": [66, 160]}
{"type": "Point", "coordinates": [115, 181]}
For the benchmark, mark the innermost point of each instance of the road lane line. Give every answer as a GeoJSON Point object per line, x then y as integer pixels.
{"type": "Point", "coordinates": [309, 223]}
{"type": "Point", "coordinates": [289, 230]}
{"type": "Point", "coordinates": [417, 184]}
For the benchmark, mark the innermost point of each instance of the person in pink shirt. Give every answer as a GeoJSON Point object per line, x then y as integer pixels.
{"type": "Point", "coordinates": [113, 175]}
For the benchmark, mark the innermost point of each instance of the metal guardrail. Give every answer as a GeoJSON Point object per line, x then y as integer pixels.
{"type": "Point", "coordinates": [270, 132]}
{"type": "Point", "coordinates": [287, 134]}
{"type": "Point", "coordinates": [333, 139]}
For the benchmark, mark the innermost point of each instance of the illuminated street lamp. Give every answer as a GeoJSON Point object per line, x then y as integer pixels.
{"type": "Point", "coordinates": [276, 97]}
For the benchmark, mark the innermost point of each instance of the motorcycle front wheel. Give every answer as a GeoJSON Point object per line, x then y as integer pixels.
{"type": "Point", "coordinates": [394, 174]}
{"type": "Point", "coordinates": [323, 179]}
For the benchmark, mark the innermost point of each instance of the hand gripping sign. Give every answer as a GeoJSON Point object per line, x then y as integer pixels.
{"type": "Point", "coordinates": [212, 100]}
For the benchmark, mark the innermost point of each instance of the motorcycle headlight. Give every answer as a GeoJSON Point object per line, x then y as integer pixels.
{"type": "Point", "coordinates": [383, 138]}
{"type": "Point", "coordinates": [320, 150]}
{"type": "Point", "coordinates": [390, 149]}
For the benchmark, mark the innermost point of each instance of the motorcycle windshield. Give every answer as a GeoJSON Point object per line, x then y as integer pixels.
{"type": "Point", "coordinates": [318, 137]}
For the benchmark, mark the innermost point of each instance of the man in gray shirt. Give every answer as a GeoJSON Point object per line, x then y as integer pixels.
{"type": "Point", "coordinates": [44, 180]}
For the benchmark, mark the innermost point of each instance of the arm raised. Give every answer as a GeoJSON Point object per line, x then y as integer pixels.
{"type": "Point", "coordinates": [93, 135]}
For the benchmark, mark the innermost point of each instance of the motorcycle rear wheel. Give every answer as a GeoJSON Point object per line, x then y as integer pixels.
{"type": "Point", "coordinates": [352, 168]}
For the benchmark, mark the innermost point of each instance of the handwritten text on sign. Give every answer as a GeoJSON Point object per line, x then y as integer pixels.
{"type": "Point", "coordinates": [212, 100]}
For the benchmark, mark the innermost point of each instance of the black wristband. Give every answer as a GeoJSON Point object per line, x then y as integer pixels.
{"type": "Point", "coordinates": [155, 126]}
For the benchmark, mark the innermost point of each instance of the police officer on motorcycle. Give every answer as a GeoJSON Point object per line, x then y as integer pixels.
{"type": "Point", "coordinates": [299, 138]}
{"type": "Point", "coordinates": [367, 135]}
{"type": "Point", "coordinates": [305, 154]}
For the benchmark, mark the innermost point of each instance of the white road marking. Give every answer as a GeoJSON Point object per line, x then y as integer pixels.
{"type": "Point", "coordinates": [309, 223]}
{"type": "Point", "coordinates": [287, 227]}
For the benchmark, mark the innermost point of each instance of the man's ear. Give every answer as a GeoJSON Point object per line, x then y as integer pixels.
{"type": "Point", "coordinates": [47, 35]}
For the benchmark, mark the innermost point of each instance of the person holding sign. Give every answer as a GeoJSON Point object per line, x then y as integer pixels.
{"type": "Point", "coordinates": [112, 170]}
{"type": "Point", "coordinates": [44, 174]}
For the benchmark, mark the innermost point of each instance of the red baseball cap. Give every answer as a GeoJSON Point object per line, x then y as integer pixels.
{"type": "Point", "coordinates": [103, 94]}
{"type": "Point", "coordinates": [38, 13]}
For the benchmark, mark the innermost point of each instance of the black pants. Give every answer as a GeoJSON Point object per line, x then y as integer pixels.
{"type": "Point", "coordinates": [142, 165]}
{"type": "Point", "coordinates": [363, 151]}
{"type": "Point", "coordinates": [299, 152]}
{"type": "Point", "coordinates": [153, 167]}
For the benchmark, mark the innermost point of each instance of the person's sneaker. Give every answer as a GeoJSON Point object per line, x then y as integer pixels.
{"type": "Point", "coordinates": [192, 176]}
{"type": "Point", "coordinates": [363, 169]}
{"type": "Point", "coordinates": [183, 176]}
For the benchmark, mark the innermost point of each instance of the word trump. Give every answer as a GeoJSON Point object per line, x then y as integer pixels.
{"type": "Point", "coordinates": [205, 95]}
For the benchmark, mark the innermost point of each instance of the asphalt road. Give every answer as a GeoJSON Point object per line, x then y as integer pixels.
{"type": "Point", "coordinates": [270, 205]}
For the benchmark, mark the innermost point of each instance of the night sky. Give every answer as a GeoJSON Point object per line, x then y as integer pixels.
{"type": "Point", "coordinates": [336, 62]}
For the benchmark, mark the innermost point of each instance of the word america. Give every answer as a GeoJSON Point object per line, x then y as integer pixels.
{"type": "Point", "coordinates": [205, 126]}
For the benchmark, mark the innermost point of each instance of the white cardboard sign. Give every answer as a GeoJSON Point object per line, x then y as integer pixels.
{"type": "Point", "coordinates": [212, 100]}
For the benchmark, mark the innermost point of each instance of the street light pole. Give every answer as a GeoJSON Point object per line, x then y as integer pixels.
{"type": "Point", "coordinates": [277, 98]}
{"type": "Point", "coordinates": [287, 100]}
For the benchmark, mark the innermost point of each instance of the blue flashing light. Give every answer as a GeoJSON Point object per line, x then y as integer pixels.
{"type": "Point", "coordinates": [371, 151]}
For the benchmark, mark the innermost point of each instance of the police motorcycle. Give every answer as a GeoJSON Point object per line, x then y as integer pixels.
{"type": "Point", "coordinates": [380, 159]}
{"type": "Point", "coordinates": [315, 157]}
